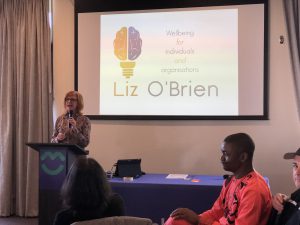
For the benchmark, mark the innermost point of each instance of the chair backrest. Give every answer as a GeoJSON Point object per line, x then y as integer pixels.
{"type": "Point", "coordinates": [116, 220]}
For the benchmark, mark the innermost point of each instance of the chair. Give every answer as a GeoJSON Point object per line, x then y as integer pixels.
{"type": "Point", "coordinates": [116, 220]}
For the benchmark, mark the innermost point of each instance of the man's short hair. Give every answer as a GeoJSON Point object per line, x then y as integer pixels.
{"type": "Point", "coordinates": [243, 142]}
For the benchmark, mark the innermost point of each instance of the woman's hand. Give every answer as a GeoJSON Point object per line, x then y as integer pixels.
{"type": "Point", "coordinates": [60, 136]}
{"type": "Point", "coordinates": [72, 122]}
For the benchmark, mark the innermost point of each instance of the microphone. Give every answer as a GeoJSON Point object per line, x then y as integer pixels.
{"type": "Point", "coordinates": [70, 115]}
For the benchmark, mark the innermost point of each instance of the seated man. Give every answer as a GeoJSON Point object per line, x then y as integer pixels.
{"type": "Point", "coordinates": [245, 197]}
{"type": "Point", "coordinates": [286, 209]}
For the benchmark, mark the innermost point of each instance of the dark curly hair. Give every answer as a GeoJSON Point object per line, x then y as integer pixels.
{"type": "Point", "coordinates": [85, 186]}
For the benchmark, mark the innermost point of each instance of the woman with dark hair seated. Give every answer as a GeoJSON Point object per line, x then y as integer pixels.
{"type": "Point", "coordinates": [87, 195]}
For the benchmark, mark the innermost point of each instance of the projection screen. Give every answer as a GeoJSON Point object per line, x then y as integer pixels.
{"type": "Point", "coordinates": [207, 62]}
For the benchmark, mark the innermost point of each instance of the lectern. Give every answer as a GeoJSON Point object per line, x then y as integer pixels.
{"type": "Point", "coordinates": [55, 160]}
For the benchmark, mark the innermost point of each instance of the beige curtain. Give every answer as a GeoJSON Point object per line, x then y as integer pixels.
{"type": "Point", "coordinates": [25, 101]}
{"type": "Point", "coordinates": [292, 15]}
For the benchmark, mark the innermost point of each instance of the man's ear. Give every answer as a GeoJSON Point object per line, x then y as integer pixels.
{"type": "Point", "coordinates": [244, 157]}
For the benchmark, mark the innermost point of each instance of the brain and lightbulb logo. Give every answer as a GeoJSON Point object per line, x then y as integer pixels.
{"type": "Point", "coordinates": [127, 48]}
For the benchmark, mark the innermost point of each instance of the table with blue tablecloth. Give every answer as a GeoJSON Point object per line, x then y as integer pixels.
{"type": "Point", "coordinates": [155, 197]}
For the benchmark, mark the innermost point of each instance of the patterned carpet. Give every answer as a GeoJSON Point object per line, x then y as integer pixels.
{"type": "Point", "coordinates": [18, 221]}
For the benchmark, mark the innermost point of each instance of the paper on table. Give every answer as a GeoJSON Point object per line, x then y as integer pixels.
{"type": "Point", "coordinates": [177, 176]}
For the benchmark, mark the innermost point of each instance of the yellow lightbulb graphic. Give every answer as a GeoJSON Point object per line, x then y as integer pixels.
{"type": "Point", "coordinates": [127, 68]}
{"type": "Point", "coordinates": [127, 47]}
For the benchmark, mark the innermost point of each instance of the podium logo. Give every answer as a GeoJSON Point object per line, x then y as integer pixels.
{"type": "Point", "coordinates": [48, 158]}
{"type": "Point", "coordinates": [127, 47]}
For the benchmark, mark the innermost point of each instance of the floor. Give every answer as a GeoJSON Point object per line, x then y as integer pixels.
{"type": "Point", "coordinates": [18, 221]}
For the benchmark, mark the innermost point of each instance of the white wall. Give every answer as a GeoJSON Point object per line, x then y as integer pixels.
{"type": "Point", "coordinates": [190, 146]}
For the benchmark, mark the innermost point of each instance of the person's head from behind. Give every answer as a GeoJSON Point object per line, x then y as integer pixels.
{"type": "Point", "coordinates": [295, 156]}
{"type": "Point", "coordinates": [73, 102]}
{"type": "Point", "coordinates": [85, 186]}
{"type": "Point", "coordinates": [237, 152]}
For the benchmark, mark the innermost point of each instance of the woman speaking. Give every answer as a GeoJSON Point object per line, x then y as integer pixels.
{"type": "Point", "coordinates": [72, 127]}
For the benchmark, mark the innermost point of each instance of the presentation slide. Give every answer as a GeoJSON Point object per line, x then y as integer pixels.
{"type": "Point", "coordinates": [188, 62]}
{"type": "Point", "coordinates": [169, 63]}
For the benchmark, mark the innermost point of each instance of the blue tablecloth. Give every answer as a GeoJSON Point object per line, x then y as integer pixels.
{"type": "Point", "coordinates": [161, 179]}
{"type": "Point", "coordinates": [155, 197]}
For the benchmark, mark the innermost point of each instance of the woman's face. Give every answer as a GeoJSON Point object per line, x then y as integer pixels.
{"type": "Point", "coordinates": [71, 102]}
